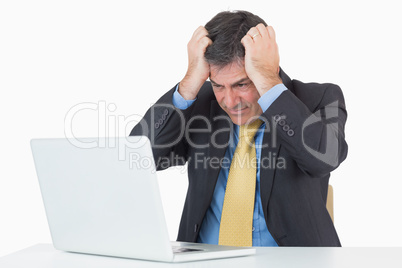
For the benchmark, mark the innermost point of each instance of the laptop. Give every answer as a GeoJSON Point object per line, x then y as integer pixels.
{"type": "Point", "coordinates": [101, 197]}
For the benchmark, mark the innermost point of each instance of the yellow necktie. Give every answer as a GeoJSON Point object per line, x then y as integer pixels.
{"type": "Point", "coordinates": [238, 205]}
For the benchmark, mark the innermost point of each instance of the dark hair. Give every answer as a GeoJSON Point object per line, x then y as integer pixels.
{"type": "Point", "coordinates": [226, 30]}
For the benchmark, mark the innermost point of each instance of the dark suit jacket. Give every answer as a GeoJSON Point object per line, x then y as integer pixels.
{"type": "Point", "coordinates": [307, 118]}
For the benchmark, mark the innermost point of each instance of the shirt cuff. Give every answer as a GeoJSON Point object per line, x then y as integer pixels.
{"type": "Point", "coordinates": [179, 101]}
{"type": "Point", "coordinates": [270, 96]}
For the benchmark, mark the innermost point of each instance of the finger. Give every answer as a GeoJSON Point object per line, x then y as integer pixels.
{"type": "Point", "coordinates": [199, 33]}
{"type": "Point", "coordinates": [195, 33]}
{"type": "Point", "coordinates": [262, 30]}
{"type": "Point", "coordinates": [247, 41]}
{"type": "Point", "coordinates": [271, 32]}
{"type": "Point", "coordinates": [254, 33]}
{"type": "Point", "coordinates": [205, 42]}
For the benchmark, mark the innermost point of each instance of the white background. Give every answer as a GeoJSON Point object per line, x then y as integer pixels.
{"type": "Point", "coordinates": [57, 54]}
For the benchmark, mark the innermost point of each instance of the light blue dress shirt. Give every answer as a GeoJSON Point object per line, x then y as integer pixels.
{"type": "Point", "coordinates": [209, 232]}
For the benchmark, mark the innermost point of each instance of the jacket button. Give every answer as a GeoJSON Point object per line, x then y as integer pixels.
{"type": "Point", "coordinates": [157, 125]}
{"type": "Point", "coordinates": [160, 121]}
{"type": "Point", "coordinates": [163, 116]}
{"type": "Point", "coordinates": [286, 127]}
{"type": "Point", "coordinates": [166, 112]}
{"type": "Point", "coordinates": [282, 122]}
{"type": "Point", "coordinates": [277, 118]}
{"type": "Point", "coordinates": [290, 132]}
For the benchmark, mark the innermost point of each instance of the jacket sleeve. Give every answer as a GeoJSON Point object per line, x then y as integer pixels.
{"type": "Point", "coordinates": [311, 126]}
{"type": "Point", "coordinates": [164, 125]}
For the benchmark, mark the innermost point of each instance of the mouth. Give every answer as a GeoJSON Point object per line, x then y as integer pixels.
{"type": "Point", "coordinates": [237, 111]}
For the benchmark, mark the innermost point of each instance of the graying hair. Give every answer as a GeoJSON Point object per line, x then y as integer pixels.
{"type": "Point", "coordinates": [226, 30]}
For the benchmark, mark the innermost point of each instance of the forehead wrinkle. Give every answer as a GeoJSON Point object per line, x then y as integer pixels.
{"type": "Point", "coordinates": [227, 73]}
{"type": "Point", "coordinates": [235, 65]}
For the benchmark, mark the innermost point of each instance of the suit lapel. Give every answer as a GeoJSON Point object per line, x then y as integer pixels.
{"type": "Point", "coordinates": [267, 168]}
{"type": "Point", "coordinates": [221, 125]}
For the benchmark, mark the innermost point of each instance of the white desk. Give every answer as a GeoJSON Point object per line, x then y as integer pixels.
{"type": "Point", "coordinates": [45, 256]}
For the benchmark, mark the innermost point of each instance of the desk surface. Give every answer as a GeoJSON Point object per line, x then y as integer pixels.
{"type": "Point", "coordinates": [45, 256]}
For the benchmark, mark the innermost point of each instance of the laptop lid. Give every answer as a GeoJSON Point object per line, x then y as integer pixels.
{"type": "Point", "coordinates": [101, 196]}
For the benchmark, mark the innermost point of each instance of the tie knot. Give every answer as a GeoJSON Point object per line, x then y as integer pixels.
{"type": "Point", "coordinates": [250, 130]}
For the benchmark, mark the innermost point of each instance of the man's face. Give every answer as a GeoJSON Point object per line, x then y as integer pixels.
{"type": "Point", "coordinates": [235, 93]}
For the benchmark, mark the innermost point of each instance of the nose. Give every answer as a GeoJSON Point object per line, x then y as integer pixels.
{"type": "Point", "coordinates": [231, 99]}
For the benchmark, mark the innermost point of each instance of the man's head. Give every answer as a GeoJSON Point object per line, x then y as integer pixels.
{"type": "Point", "coordinates": [234, 91]}
{"type": "Point", "coordinates": [226, 30]}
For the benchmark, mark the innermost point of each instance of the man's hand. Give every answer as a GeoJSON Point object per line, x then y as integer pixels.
{"type": "Point", "coordinates": [262, 57]}
{"type": "Point", "coordinates": [198, 68]}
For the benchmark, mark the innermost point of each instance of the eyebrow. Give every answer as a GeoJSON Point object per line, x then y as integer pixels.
{"type": "Point", "coordinates": [235, 83]}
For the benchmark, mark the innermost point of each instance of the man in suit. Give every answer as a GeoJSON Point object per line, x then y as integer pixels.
{"type": "Point", "coordinates": [299, 139]}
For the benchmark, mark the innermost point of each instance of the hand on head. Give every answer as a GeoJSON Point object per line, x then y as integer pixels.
{"type": "Point", "coordinates": [198, 68]}
{"type": "Point", "coordinates": [262, 57]}
{"type": "Point", "coordinates": [261, 60]}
